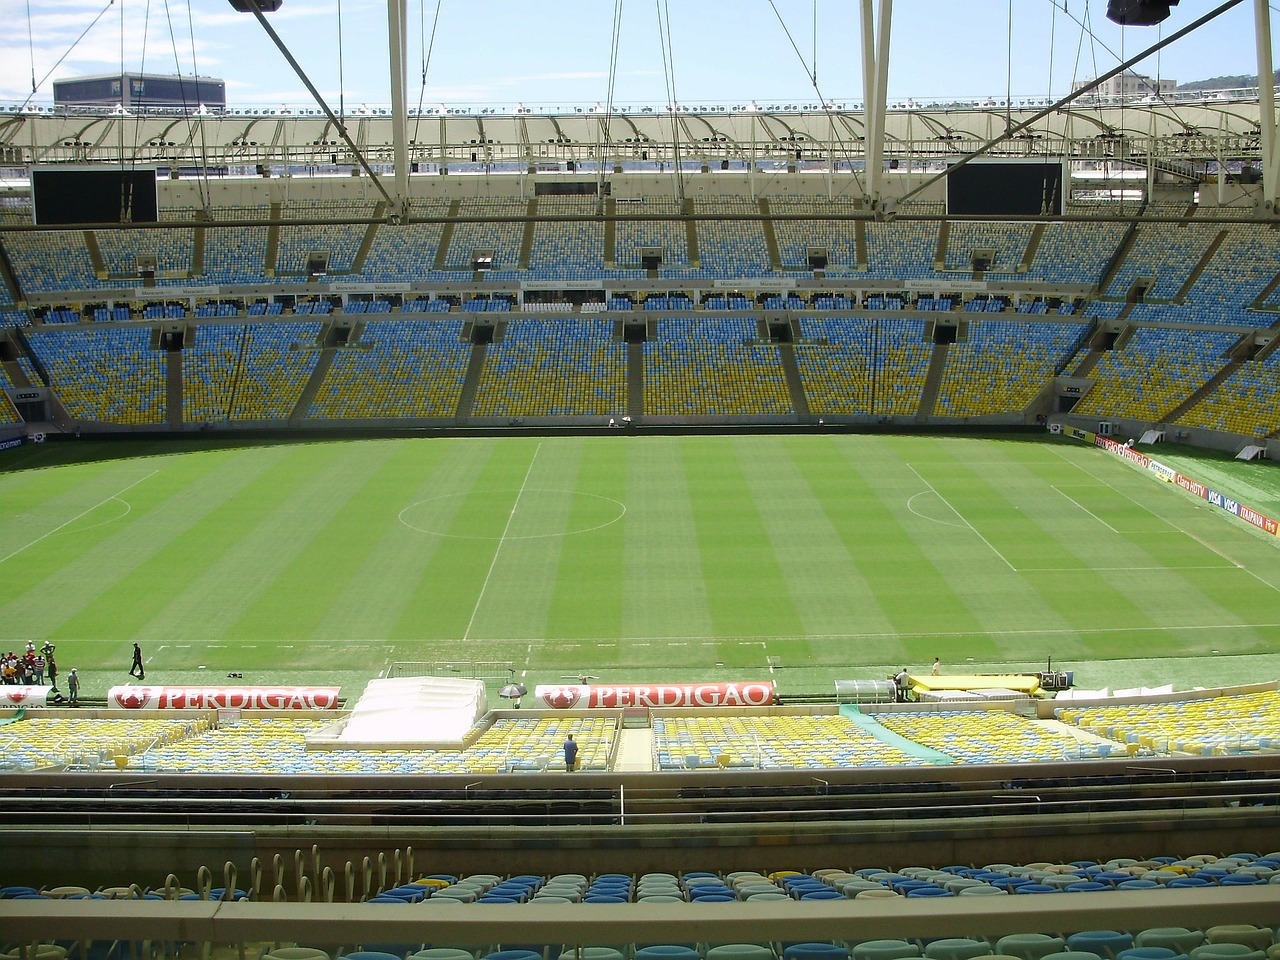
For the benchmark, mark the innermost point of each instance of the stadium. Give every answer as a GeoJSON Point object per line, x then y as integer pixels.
{"type": "Point", "coordinates": [878, 495]}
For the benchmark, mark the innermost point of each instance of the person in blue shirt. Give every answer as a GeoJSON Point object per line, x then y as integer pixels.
{"type": "Point", "coordinates": [570, 754]}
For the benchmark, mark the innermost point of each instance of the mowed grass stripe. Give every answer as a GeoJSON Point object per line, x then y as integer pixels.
{"type": "Point", "coordinates": [1009, 504]}
{"type": "Point", "coordinates": [587, 593]}
{"type": "Point", "coordinates": [326, 528]}
{"type": "Point", "coordinates": [515, 594]}
{"type": "Point", "coordinates": [418, 494]}
{"type": "Point", "coordinates": [465, 520]}
{"type": "Point", "coordinates": [665, 595]}
{"type": "Point", "coordinates": [89, 583]}
{"type": "Point", "coordinates": [1166, 582]}
{"type": "Point", "coordinates": [792, 483]}
{"type": "Point", "coordinates": [922, 568]}
{"type": "Point", "coordinates": [747, 594]}
{"type": "Point", "coordinates": [33, 503]}
{"type": "Point", "coordinates": [193, 579]}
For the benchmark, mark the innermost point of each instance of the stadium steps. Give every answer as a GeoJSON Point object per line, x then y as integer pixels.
{"type": "Point", "coordinates": [370, 234]}
{"type": "Point", "coordinates": [173, 389]}
{"type": "Point", "coordinates": [197, 245]}
{"type": "Point", "coordinates": [446, 236]}
{"type": "Point", "coordinates": [635, 750]}
{"type": "Point", "coordinates": [940, 252]}
{"type": "Point", "coordinates": [17, 376]}
{"type": "Point", "coordinates": [1087, 332]}
{"type": "Point", "coordinates": [1033, 244]}
{"type": "Point", "coordinates": [324, 363]}
{"type": "Point", "coordinates": [1259, 303]}
{"type": "Point", "coordinates": [770, 236]}
{"type": "Point", "coordinates": [467, 398]}
{"type": "Point", "coordinates": [635, 380]}
{"type": "Point", "coordinates": [1212, 384]}
{"type": "Point", "coordinates": [272, 255]}
{"type": "Point", "coordinates": [95, 255]}
{"type": "Point", "coordinates": [873, 727]}
{"type": "Point", "coordinates": [610, 233]}
{"type": "Point", "coordinates": [1199, 268]}
{"type": "Point", "coordinates": [690, 233]}
{"type": "Point", "coordinates": [860, 242]}
{"type": "Point", "coordinates": [795, 383]}
{"type": "Point", "coordinates": [526, 239]}
{"type": "Point", "coordinates": [10, 278]}
{"type": "Point", "coordinates": [21, 337]}
{"type": "Point", "coordinates": [1116, 260]}
{"type": "Point", "coordinates": [932, 381]}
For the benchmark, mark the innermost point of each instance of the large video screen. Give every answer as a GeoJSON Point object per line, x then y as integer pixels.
{"type": "Point", "coordinates": [996, 188]}
{"type": "Point", "coordinates": [84, 195]}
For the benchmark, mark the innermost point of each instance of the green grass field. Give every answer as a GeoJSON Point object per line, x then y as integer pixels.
{"type": "Point", "coordinates": [639, 558]}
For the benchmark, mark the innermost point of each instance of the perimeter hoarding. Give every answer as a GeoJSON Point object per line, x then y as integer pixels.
{"type": "Point", "coordinates": [24, 696]}
{"type": "Point", "coordinates": [215, 698]}
{"type": "Point", "coordinates": [612, 697]}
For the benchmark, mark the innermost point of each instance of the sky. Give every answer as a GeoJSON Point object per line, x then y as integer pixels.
{"type": "Point", "coordinates": [546, 55]}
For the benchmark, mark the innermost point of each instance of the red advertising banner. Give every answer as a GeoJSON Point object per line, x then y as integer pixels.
{"type": "Point", "coordinates": [25, 696]}
{"type": "Point", "coordinates": [1169, 475]}
{"type": "Point", "coordinates": [604, 697]}
{"type": "Point", "coordinates": [1124, 450]}
{"type": "Point", "coordinates": [212, 698]}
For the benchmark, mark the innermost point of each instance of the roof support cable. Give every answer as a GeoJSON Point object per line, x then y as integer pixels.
{"type": "Point", "coordinates": [328, 112]}
{"type": "Point", "coordinates": [1072, 96]}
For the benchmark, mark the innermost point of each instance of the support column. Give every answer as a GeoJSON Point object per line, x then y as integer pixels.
{"type": "Point", "coordinates": [398, 50]}
{"type": "Point", "coordinates": [1267, 107]}
{"type": "Point", "coordinates": [875, 80]}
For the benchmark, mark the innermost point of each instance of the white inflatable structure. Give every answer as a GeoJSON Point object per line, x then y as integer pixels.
{"type": "Point", "coordinates": [408, 712]}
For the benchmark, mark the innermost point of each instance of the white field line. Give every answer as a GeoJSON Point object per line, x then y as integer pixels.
{"type": "Point", "coordinates": [1085, 509]}
{"type": "Point", "coordinates": [962, 517]}
{"type": "Point", "coordinates": [466, 634]}
{"type": "Point", "coordinates": [82, 513]}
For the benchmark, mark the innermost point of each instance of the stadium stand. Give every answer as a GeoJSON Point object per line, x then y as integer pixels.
{"type": "Point", "coordinates": [105, 375]}
{"type": "Point", "coordinates": [339, 243]}
{"type": "Point", "coordinates": [1001, 366]}
{"type": "Point", "coordinates": [1154, 371]}
{"type": "Point", "coordinates": [1234, 724]}
{"type": "Point", "coordinates": [731, 248]}
{"type": "Point", "coordinates": [409, 368]}
{"type": "Point", "coordinates": [710, 367]}
{"type": "Point", "coordinates": [1247, 402]}
{"type": "Point", "coordinates": [874, 367]}
{"type": "Point", "coordinates": [554, 368]}
{"type": "Point", "coordinates": [247, 372]}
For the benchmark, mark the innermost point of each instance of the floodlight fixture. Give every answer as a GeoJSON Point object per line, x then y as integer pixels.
{"type": "Point", "coordinates": [1139, 13]}
{"type": "Point", "coordinates": [264, 6]}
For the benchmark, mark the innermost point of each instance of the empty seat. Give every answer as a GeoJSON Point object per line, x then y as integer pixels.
{"type": "Point", "coordinates": [740, 951]}
{"type": "Point", "coordinates": [1177, 939]}
{"type": "Point", "coordinates": [1101, 943]}
{"type": "Point", "coordinates": [1030, 946]}
{"type": "Point", "coordinates": [957, 948]}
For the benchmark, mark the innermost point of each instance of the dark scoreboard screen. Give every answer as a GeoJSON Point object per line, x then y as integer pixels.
{"type": "Point", "coordinates": [1006, 188]}
{"type": "Point", "coordinates": [93, 196]}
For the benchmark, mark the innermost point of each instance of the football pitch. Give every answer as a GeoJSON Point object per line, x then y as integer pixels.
{"type": "Point", "coordinates": [797, 558]}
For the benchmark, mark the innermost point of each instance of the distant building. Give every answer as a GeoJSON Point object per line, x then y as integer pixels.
{"type": "Point", "coordinates": [141, 92]}
{"type": "Point", "coordinates": [1129, 86]}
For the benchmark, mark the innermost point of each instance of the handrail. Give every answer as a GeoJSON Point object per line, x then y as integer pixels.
{"type": "Point", "coordinates": [256, 921]}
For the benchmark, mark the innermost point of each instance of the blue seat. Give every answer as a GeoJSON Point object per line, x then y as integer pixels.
{"type": "Point", "coordinates": [1102, 943]}
{"type": "Point", "coordinates": [814, 951]}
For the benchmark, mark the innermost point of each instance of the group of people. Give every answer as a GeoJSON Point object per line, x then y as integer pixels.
{"type": "Point", "coordinates": [33, 667]}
